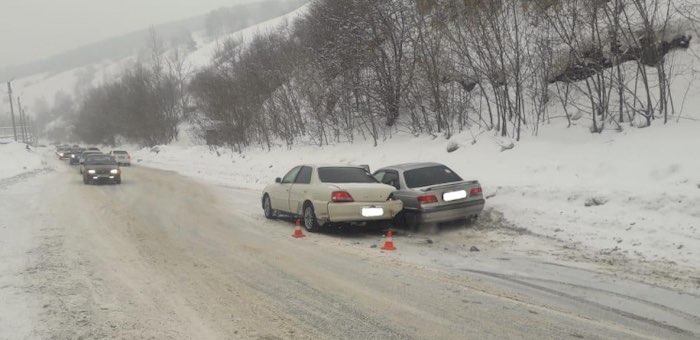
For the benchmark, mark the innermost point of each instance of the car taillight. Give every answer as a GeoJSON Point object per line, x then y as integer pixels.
{"type": "Point", "coordinates": [341, 196]}
{"type": "Point", "coordinates": [427, 199]}
{"type": "Point", "coordinates": [476, 191]}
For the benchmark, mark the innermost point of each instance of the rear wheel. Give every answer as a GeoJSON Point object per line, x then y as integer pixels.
{"type": "Point", "coordinates": [310, 221]}
{"type": "Point", "coordinates": [408, 220]}
{"type": "Point", "coordinates": [267, 208]}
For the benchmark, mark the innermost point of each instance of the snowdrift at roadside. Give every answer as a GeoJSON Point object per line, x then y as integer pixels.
{"type": "Point", "coordinates": [634, 193]}
{"type": "Point", "coordinates": [16, 160]}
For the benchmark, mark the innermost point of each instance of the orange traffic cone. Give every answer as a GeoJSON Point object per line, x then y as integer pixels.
{"type": "Point", "coordinates": [297, 229]}
{"type": "Point", "coordinates": [389, 242]}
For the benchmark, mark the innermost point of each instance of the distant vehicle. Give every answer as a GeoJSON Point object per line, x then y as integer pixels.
{"type": "Point", "coordinates": [122, 157]}
{"type": "Point", "coordinates": [83, 156]}
{"type": "Point", "coordinates": [63, 152]}
{"type": "Point", "coordinates": [432, 193]}
{"type": "Point", "coordinates": [75, 156]}
{"type": "Point", "coordinates": [101, 168]}
{"type": "Point", "coordinates": [325, 194]}
{"type": "Point", "coordinates": [93, 149]}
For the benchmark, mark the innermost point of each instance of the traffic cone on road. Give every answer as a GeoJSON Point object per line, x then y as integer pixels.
{"type": "Point", "coordinates": [389, 242]}
{"type": "Point", "coordinates": [297, 229]}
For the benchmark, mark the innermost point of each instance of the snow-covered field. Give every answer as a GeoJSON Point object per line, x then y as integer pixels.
{"type": "Point", "coordinates": [634, 193]}
{"type": "Point", "coordinates": [16, 160]}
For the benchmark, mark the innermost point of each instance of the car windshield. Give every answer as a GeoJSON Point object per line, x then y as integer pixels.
{"type": "Point", "coordinates": [100, 160]}
{"type": "Point", "coordinates": [432, 175]}
{"type": "Point", "coordinates": [119, 152]}
{"type": "Point", "coordinates": [345, 175]}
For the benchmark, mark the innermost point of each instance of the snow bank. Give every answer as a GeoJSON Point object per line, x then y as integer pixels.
{"type": "Point", "coordinates": [636, 193]}
{"type": "Point", "coordinates": [16, 160]}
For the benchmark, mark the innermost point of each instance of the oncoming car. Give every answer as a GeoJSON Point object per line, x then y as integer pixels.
{"type": "Point", "coordinates": [83, 157]}
{"type": "Point", "coordinates": [323, 194]}
{"type": "Point", "coordinates": [75, 155]}
{"type": "Point", "coordinates": [432, 193]}
{"type": "Point", "coordinates": [101, 168]}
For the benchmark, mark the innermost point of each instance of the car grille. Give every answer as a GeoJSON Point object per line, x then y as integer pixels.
{"type": "Point", "coordinates": [102, 172]}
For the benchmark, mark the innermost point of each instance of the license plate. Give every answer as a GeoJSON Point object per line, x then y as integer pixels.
{"type": "Point", "coordinates": [372, 212]}
{"type": "Point", "coordinates": [454, 195]}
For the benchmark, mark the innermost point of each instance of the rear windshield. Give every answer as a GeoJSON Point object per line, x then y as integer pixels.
{"type": "Point", "coordinates": [432, 175]}
{"type": "Point", "coordinates": [100, 160]}
{"type": "Point", "coordinates": [345, 175]}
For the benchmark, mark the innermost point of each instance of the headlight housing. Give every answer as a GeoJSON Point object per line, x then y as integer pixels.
{"type": "Point", "coordinates": [91, 172]}
{"type": "Point", "coordinates": [114, 171]}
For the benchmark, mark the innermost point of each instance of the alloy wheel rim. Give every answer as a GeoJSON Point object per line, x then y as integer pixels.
{"type": "Point", "coordinates": [308, 218]}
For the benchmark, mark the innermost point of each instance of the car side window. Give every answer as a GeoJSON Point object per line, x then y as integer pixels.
{"type": "Point", "coordinates": [391, 178]}
{"type": "Point", "coordinates": [291, 175]}
{"type": "Point", "coordinates": [304, 176]}
{"type": "Point", "coordinates": [379, 175]}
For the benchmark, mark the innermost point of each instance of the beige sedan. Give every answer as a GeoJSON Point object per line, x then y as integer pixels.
{"type": "Point", "coordinates": [323, 194]}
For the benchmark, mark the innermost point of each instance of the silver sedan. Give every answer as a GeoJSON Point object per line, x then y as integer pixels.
{"type": "Point", "coordinates": [432, 193]}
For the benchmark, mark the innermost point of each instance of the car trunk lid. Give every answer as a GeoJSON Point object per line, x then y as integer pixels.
{"type": "Point", "coordinates": [452, 193]}
{"type": "Point", "coordinates": [365, 192]}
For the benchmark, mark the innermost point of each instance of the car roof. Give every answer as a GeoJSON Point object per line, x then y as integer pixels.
{"type": "Point", "coordinates": [333, 166]}
{"type": "Point", "coordinates": [412, 166]}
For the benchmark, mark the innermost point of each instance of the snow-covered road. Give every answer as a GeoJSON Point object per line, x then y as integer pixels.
{"type": "Point", "coordinates": [165, 256]}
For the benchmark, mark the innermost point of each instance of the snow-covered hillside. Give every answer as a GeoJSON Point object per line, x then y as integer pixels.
{"type": "Point", "coordinates": [45, 86]}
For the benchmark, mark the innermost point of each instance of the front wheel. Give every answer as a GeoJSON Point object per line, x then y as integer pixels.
{"type": "Point", "coordinates": [310, 222]}
{"type": "Point", "coordinates": [118, 180]}
{"type": "Point", "coordinates": [267, 208]}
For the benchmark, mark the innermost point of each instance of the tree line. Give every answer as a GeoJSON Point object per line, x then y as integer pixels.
{"type": "Point", "coordinates": [367, 69]}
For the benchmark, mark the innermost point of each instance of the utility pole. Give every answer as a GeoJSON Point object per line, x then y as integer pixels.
{"type": "Point", "coordinates": [29, 127]}
{"type": "Point", "coordinates": [12, 109]}
{"type": "Point", "coordinates": [22, 120]}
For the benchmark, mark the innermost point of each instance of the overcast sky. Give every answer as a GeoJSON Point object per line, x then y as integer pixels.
{"type": "Point", "coordinates": [35, 29]}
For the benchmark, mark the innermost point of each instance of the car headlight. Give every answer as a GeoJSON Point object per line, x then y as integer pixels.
{"type": "Point", "coordinates": [91, 172]}
{"type": "Point", "coordinates": [61, 154]}
{"type": "Point", "coordinates": [114, 171]}
{"type": "Point", "coordinates": [72, 156]}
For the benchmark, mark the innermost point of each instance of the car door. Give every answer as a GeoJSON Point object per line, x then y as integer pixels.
{"type": "Point", "coordinates": [279, 195]}
{"type": "Point", "coordinates": [300, 190]}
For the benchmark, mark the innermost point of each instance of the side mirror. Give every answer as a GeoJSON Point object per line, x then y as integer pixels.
{"type": "Point", "coordinates": [278, 180]}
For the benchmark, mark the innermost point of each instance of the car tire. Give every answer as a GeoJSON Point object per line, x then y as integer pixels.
{"type": "Point", "coordinates": [310, 221]}
{"type": "Point", "coordinates": [270, 213]}
{"type": "Point", "coordinates": [410, 221]}
{"type": "Point", "coordinates": [118, 180]}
